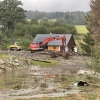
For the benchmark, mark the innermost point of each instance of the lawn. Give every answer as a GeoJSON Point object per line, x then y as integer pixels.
{"type": "Point", "coordinates": [81, 29]}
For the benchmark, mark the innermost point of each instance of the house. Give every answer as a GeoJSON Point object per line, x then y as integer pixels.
{"type": "Point", "coordinates": [57, 44]}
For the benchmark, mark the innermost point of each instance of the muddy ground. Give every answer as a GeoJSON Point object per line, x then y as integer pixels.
{"type": "Point", "coordinates": [51, 81]}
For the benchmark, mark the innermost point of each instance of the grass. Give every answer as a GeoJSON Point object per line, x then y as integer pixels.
{"type": "Point", "coordinates": [4, 56]}
{"type": "Point", "coordinates": [68, 97]}
{"type": "Point", "coordinates": [10, 83]}
{"type": "Point", "coordinates": [45, 64]}
{"type": "Point", "coordinates": [81, 29]}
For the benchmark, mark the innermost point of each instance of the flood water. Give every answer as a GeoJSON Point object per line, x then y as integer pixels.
{"type": "Point", "coordinates": [8, 75]}
{"type": "Point", "coordinates": [33, 83]}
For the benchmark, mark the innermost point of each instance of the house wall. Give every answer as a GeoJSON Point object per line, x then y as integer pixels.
{"type": "Point", "coordinates": [71, 42]}
{"type": "Point", "coordinates": [57, 48]}
{"type": "Point", "coordinates": [54, 48]}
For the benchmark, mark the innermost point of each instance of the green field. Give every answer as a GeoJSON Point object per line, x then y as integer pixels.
{"type": "Point", "coordinates": [28, 20]}
{"type": "Point", "coordinates": [81, 29]}
{"type": "Point", "coordinates": [53, 20]}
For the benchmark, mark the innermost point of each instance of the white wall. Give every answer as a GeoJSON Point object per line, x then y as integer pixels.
{"type": "Point", "coordinates": [75, 49]}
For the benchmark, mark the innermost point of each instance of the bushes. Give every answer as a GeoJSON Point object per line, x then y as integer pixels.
{"type": "Point", "coordinates": [25, 44]}
{"type": "Point", "coordinates": [25, 31]}
{"type": "Point", "coordinates": [25, 41]}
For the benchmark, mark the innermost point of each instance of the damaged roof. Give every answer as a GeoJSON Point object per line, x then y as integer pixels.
{"type": "Point", "coordinates": [41, 37]}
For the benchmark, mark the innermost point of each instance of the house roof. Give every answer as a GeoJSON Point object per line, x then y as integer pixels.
{"type": "Point", "coordinates": [41, 37]}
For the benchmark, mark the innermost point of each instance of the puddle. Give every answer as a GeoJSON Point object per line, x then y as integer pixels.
{"type": "Point", "coordinates": [33, 77]}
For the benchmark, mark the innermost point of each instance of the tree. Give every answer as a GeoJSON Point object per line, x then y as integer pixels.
{"type": "Point", "coordinates": [44, 20]}
{"type": "Point", "coordinates": [34, 22]}
{"type": "Point", "coordinates": [93, 23]}
{"type": "Point", "coordinates": [56, 23]}
{"type": "Point", "coordinates": [60, 20]}
{"type": "Point", "coordinates": [59, 30]}
{"type": "Point", "coordinates": [10, 13]}
{"type": "Point", "coordinates": [1, 37]}
{"type": "Point", "coordinates": [88, 42]}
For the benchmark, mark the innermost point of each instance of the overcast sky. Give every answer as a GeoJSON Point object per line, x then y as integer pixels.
{"type": "Point", "coordinates": [56, 5]}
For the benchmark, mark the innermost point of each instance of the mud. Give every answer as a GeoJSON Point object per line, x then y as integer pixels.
{"type": "Point", "coordinates": [53, 81]}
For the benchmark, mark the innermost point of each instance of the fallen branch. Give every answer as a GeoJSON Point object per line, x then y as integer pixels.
{"type": "Point", "coordinates": [41, 60]}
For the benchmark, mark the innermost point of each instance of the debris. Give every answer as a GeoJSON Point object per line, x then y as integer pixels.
{"type": "Point", "coordinates": [53, 55]}
{"type": "Point", "coordinates": [66, 55]}
{"type": "Point", "coordinates": [83, 72]}
{"type": "Point", "coordinates": [81, 83]}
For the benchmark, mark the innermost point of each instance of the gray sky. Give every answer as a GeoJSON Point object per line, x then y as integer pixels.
{"type": "Point", "coordinates": [56, 5]}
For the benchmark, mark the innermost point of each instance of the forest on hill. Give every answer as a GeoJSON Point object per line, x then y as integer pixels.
{"type": "Point", "coordinates": [73, 18]}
